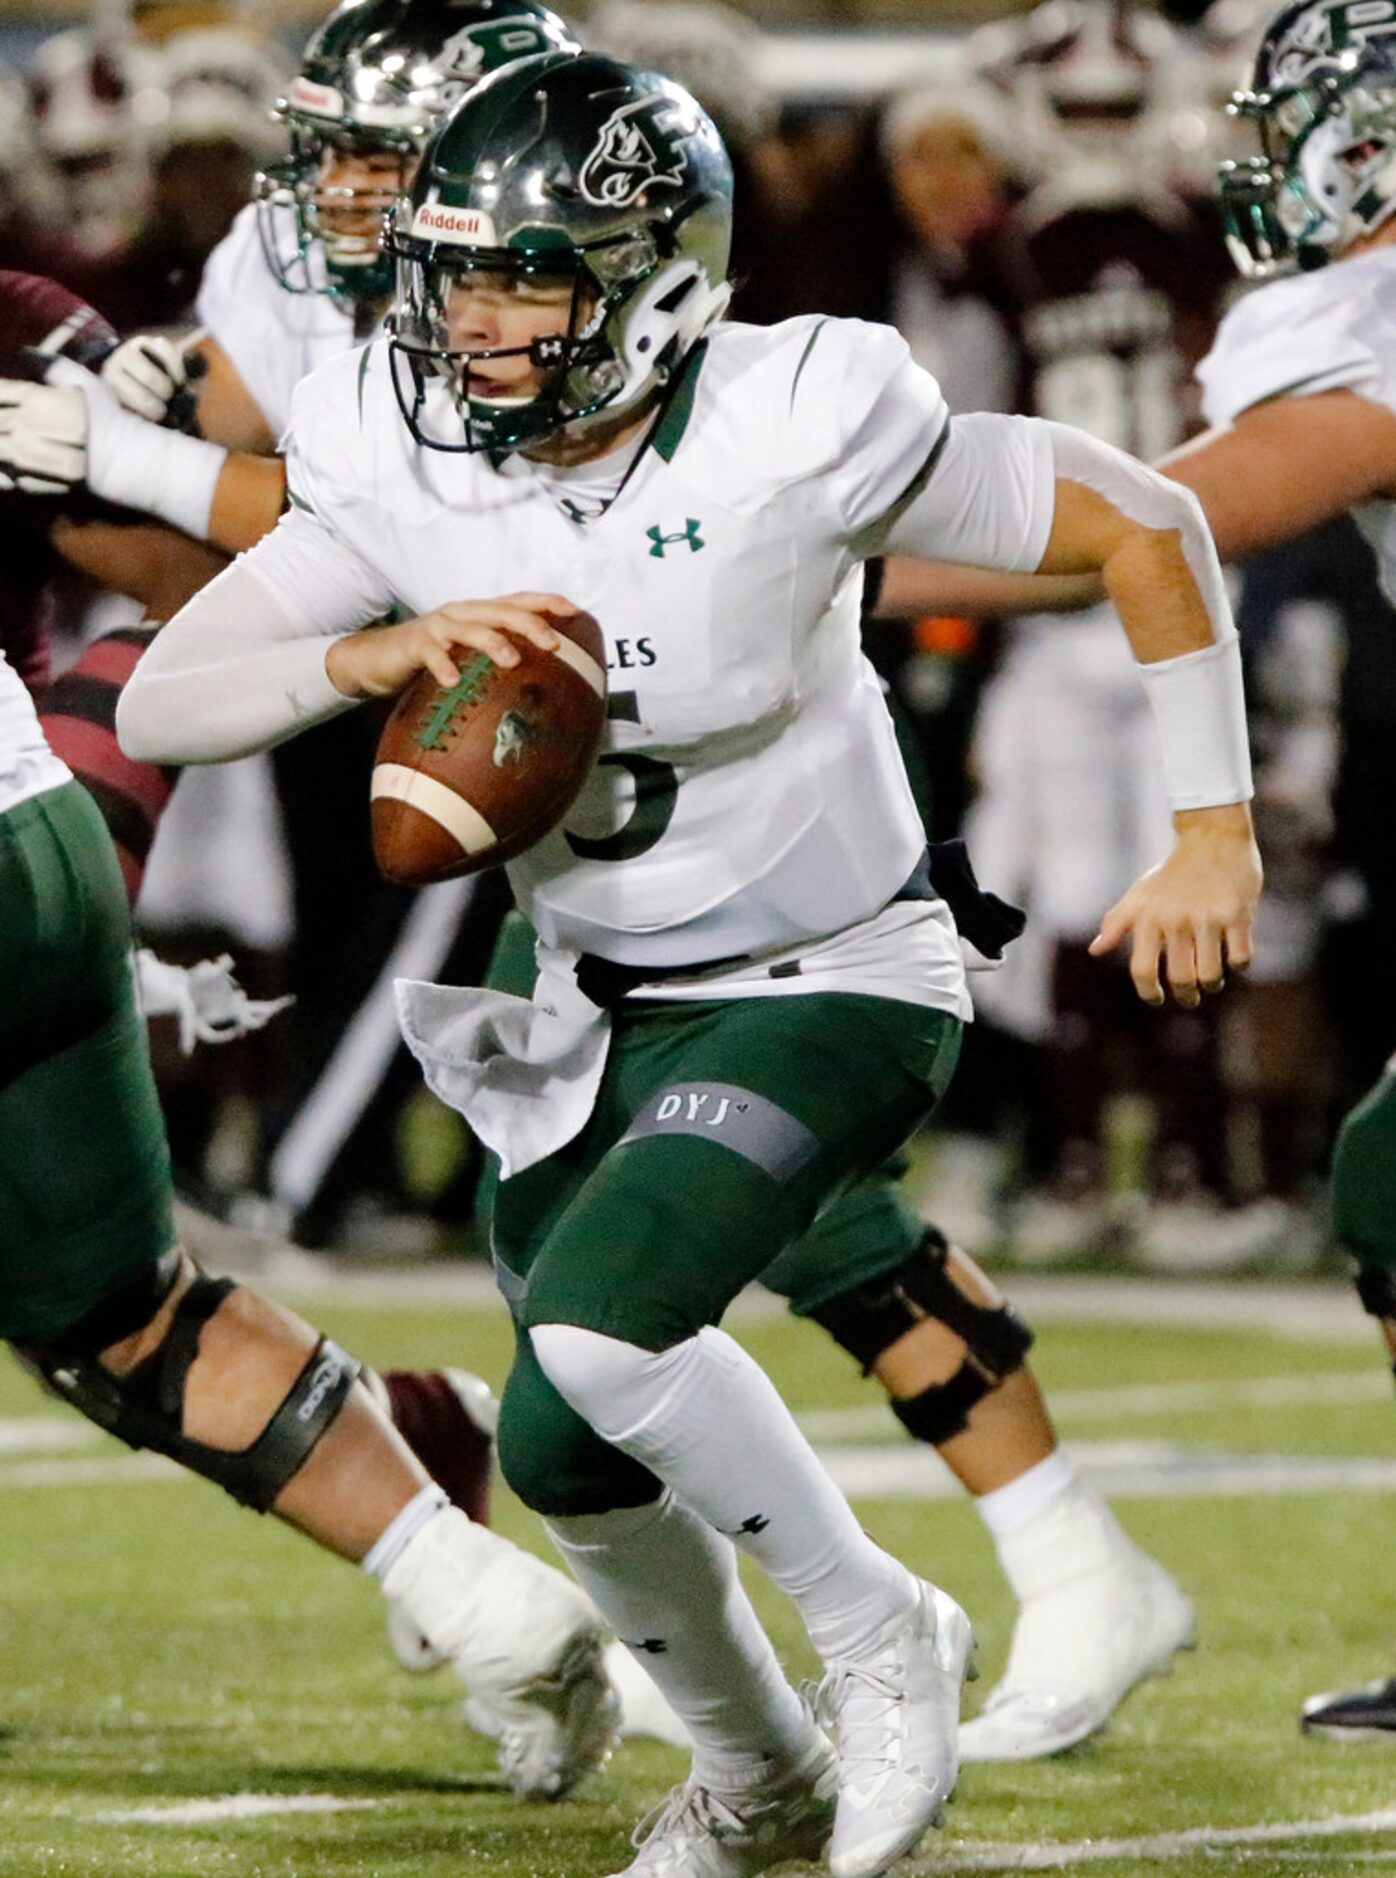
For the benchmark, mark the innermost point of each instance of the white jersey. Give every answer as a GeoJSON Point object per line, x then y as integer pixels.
{"type": "Point", "coordinates": [749, 795]}
{"type": "Point", "coordinates": [27, 765]}
{"type": "Point", "coordinates": [273, 337]}
{"type": "Point", "coordinates": [1332, 330]}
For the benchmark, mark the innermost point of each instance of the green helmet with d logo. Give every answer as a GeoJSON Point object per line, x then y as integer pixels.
{"type": "Point", "coordinates": [373, 83]}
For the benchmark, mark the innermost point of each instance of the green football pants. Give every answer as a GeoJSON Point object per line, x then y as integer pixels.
{"type": "Point", "coordinates": [1363, 1193]}
{"type": "Point", "coordinates": [84, 1166]}
{"type": "Point", "coordinates": [719, 1133]}
{"type": "Point", "coordinates": [866, 1232]}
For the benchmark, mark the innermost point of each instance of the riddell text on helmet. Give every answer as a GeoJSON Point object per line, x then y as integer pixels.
{"type": "Point", "coordinates": [471, 227]}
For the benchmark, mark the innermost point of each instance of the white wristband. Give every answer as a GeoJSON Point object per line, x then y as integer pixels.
{"type": "Point", "coordinates": [140, 465]}
{"type": "Point", "coordinates": [1199, 706]}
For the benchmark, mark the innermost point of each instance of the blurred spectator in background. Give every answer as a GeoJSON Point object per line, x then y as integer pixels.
{"type": "Point", "coordinates": [953, 176]}
{"type": "Point", "coordinates": [1110, 285]}
{"type": "Point", "coordinates": [154, 122]}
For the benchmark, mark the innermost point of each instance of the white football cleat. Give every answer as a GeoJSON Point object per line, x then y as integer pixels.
{"type": "Point", "coordinates": [643, 1708]}
{"type": "Point", "coordinates": [896, 1718]}
{"type": "Point", "coordinates": [1077, 1652]}
{"type": "Point", "coordinates": [697, 1833]}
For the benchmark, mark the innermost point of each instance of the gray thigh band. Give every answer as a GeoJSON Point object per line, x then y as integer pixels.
{"type": "Point", "coordinates": [736, 1118]}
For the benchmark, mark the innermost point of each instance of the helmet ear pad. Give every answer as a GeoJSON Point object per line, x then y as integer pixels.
{"type": "Point", "coordinates": [656, 326]}
{"type": "Point", "coordinates": [1344, 203]}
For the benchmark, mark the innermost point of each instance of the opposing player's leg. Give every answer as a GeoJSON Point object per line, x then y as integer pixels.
{"type": "Point", "coordinates": [1096, 1614]}
{"type": "Point", "coordinates": [446, 1417]}
{"type": "Point", "coordinates": [1363, 1203]}
{"type": "Point", "coordinates": [99, 1300]}
{"type": "Point", "coordinates": [762, 1108]}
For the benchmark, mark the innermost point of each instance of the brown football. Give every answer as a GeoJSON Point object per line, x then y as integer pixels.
{"type": "Point", "coordinates": [472, 776]}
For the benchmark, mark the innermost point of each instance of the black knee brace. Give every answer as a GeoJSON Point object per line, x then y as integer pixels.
{"type": "Point", "coordinates": [869, 1320]}
{"type": "Point", "coordinates": [145, 1408]}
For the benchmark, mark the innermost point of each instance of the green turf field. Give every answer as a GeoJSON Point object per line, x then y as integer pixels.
{"type": "Point", "coordinates": [162, 1648]}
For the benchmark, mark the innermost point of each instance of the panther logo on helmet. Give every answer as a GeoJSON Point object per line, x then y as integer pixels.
{"type": "Point", "coordinates": [639, 147]}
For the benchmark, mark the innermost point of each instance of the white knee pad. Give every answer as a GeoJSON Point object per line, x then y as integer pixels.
{"type": "Point", "coordinates": [617, 1387]}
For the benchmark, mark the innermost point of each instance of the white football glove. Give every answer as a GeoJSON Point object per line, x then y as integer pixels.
{"type": "Point", "coordinates": [145, 372]}
{"type": "Point", "coordinates": [43, 438]}
{"type": "Point", "coordinates": [206, 1000]}
{"type": "Point", "coordinates": [138, 464]}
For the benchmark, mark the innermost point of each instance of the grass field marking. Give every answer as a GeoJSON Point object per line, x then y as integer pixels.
{"type": "Point", "coordinates": [116, 1470]}
{"type": "Point", "coordinates": [1308, 1311]}
{"type": "Point", "coordinates": [1123, 1470]}
{"type": "Point", "coordinates": [45, 1434]}
{"type": "Point", "coordinates": [1144, 1398]}
{"type": "Point", "coordinates": [230, 1806]}
{"type": "Point", "coordinates": [1311, 1311]}
{"type": "Point", "coordinates": [961, 1856]}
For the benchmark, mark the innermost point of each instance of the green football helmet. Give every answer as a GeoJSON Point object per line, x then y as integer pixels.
{"type": "Point", "coordinates": [373, 82]}
{"type": "Point", "coordinates": [1323, 101]}
{"type": "Point", "coordinates": [573, 169]}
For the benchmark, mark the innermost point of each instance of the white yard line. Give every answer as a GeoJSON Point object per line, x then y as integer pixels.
{"type": "Point", "coordinates": [1123, 1470]}
{"type": "Point", "coordinates": [46, 1434]}
{"type": "Point", "coordinates": [1161, 1398]}
{"type": "Point", "coordinates": [957, 1855]}
{"type": "Point", "coordinates": [1316, 1311]}
{"type": "Point", "coordinates": [230, 1806]}
{"type": "Point", "coordinates": [116, 1470]}
{"type": "Point", "coordinates": [1321, 1311]}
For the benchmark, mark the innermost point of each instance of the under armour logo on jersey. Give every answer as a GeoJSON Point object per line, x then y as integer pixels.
{"type": "Point", "coordinates": [659, 541]}
{"type": "Point", "coordinates": [638, 147]}
{"type": "Point", "coordinates": [652, 1646]}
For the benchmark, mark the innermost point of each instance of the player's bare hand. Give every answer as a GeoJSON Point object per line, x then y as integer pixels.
{"type": "Point", "coordinates": [380, 660]}
{"type": "Point", "coordinates": [1193, 911]}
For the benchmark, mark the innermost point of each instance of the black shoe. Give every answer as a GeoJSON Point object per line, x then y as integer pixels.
{"type": "Point", "coordinates": [1359, 1715]}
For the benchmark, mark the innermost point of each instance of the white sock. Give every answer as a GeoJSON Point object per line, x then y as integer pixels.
{"type": "Point", "coordinates": [1027, 1496]}
{"type": "Point", "coordinates": [393, 1540]}
{"type": "Point", "coordinates": [1070, 1537]}
{"type": "Point", "coordinates": [661, 1577]}
{"type": "Point", "coordinates": [708, 1421]}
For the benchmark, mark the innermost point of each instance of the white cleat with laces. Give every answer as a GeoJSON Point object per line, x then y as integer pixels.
{"type": "Point", "coordinates": [699, 1833]}
{"type": "Point", "coordinates": [896, 1717]}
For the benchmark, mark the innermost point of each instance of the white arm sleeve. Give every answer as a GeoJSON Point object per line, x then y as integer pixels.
{"type": "Point", "coordinates": [242, 666]}
{"type": "Point", "coordinates": [986, 498]}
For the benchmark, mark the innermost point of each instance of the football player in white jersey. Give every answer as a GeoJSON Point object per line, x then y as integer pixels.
{"type": "Point", "coordinates": [1299, 389]}
{"type": "Point", "coordinates": [753, 989]}
{"type": "Point", "coordinates": [298, 277]}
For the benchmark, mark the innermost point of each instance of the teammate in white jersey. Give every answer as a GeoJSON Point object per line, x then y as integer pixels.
{"type": "Point", "coordinates": [755, 991]}
{"type": "Point", "coordinates": [1300, 391]}
{"type": "Point", "coordinates": [300, 276]}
